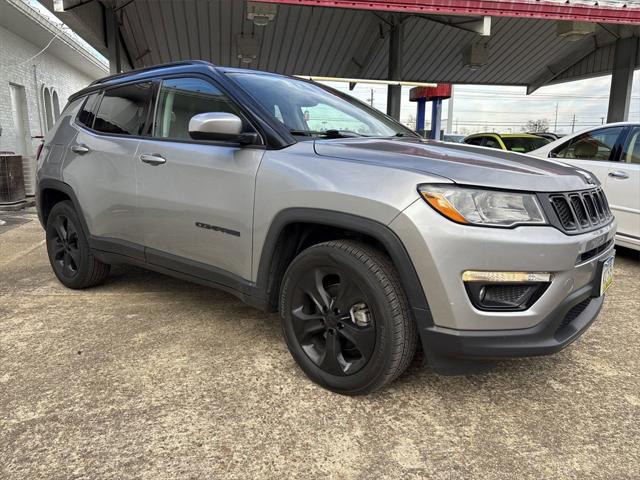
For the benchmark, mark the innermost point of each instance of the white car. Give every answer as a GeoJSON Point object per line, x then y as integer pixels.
{"type": "Point", "coordinates": [612, 154]}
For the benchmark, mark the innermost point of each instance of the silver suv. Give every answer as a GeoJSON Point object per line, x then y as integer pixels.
{"type": "Point", "coordinates": [368, 240]}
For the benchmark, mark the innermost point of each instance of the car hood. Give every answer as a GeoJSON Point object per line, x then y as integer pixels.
{"type": "Point", "coordinates": [463, 164]}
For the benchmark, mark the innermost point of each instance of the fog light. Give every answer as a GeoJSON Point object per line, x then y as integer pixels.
{"type": "Point", "coordinates": [505, 291]}
{"type": "Point", "coordinates": [505, 277]}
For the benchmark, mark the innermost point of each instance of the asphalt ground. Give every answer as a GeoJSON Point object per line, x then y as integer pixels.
{"type": "Point", "coordinates": [151, 377]}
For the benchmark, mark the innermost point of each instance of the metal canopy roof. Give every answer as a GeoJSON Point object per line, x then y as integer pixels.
{"type": "Point", "coordinates": [341, 38]}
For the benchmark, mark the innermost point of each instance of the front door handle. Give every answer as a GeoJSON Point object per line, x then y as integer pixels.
{"type": "Point", "coordinates": [618, 174]}
{"type": "Point", "coordinates": [152, 159]}
{"type": "Point", "coordinates": [80, 149]}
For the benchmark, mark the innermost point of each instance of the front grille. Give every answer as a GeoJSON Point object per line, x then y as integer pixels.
{"type": "Point", "coordinates": [578, 212]}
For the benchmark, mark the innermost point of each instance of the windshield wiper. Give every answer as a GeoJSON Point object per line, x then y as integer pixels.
{"type": "Point", "coordinates": [331, 133]}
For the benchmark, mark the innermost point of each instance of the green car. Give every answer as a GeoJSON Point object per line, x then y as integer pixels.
{"type": "Point", "coordinates": [514, 142]}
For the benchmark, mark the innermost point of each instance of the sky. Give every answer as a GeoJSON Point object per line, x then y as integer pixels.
{"type": "Point", "coordinates": [481, 108]}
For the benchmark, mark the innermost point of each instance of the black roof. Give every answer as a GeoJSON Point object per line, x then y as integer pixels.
{"type": "Point", "coordinates": [149, 72]}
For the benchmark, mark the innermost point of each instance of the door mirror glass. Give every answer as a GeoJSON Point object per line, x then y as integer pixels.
{"type": "Point", "coordinates": [220, 126]}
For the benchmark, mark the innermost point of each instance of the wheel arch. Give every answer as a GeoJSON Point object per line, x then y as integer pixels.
{"type": "Point", "coordinates": [288, 234]}
{"type": "Point", "coordinates": [51, 191]}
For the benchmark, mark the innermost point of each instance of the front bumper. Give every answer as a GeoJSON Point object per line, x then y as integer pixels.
{"type": "Point", "coordinates": [453, 328]}
{"type": "Point", "coordinates": [564, 325]}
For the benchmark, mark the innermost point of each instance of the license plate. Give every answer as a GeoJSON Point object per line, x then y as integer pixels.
{"type": "Point", "coordinates": [607, 274]}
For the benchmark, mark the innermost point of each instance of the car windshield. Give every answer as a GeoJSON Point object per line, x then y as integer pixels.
{"type": "Point", "coordinates": [308, 109]}
{"type": "Point", "coordinates": [524, 144]}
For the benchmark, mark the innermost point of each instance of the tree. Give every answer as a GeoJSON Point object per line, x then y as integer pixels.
{"type": "Point", "coordinates": [537, 126]}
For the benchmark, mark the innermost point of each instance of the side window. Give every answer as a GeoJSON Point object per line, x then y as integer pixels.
{"type": "Point", "coordinates": [182, 98]}
{"type": "Point", "coordinates": [491, 142]}
{"type": "Point", "coordinates": [474, 141]}
{"type": "Point", "coordinates": [596, 145]}
{"type": "Point", "coordinates": [124, 110]}
{"type": "Point", "coordinates": [88, 111]}
{"type": "Point", "coordinates": [632, 148]}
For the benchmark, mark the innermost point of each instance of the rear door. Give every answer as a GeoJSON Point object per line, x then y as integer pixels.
{"type": "Point", "coordinates": [196, 198]}
{"type": "Point", "coordinates": [100, 164]}
{"type": "Point", "coordinates": [623, 188]}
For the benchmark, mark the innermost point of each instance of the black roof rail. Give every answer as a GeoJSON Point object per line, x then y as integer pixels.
{"type": "Point", "coordinates": [147, 69]}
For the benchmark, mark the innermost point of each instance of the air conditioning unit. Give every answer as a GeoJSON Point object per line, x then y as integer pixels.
{"type": "Point", "coordinates": [11, 180]}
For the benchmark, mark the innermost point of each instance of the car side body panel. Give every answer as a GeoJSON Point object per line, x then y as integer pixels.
{"type": "Point", "coordinates": [297, 177]}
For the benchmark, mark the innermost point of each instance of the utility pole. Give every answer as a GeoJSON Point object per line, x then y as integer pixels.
{"type": "Point", "coordinates": [555, 127]}
{"type": "Point", "coordinates": [573, 123]}
{"type": "Point", "coordinates": [601, 120]}
{"type": "Point", "coordinates": [371, 99]}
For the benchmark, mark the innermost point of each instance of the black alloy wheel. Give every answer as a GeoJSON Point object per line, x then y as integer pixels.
{"type": "Point", "coordinates": [332, 321]}
{"type": "Point", "coordinates": [66, 252]}
{"type": "Point", "coordinates": [69, 254]}
{"type": "Point", "coordinates": [345, 317]}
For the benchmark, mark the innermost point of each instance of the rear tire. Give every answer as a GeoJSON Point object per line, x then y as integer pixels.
{"type": "Point", "coordinates": [69, 253]}
{"type": "Point", "coordinates": [345, 317]}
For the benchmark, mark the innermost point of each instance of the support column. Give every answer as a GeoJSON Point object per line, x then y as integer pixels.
{"type": "Point", "coordinates": [436, 119]}
{"type": "Point", "coordinates": [113, 41]}
{"type": "Point", "coordinates": [422, 103]}
{"type": "Point", "coordinates": [622, 79]}
{"type": "Point", "coordinates": [394, 92]}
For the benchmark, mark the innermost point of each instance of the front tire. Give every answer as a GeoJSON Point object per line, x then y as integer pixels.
{"type": "Point", "coordinates": [69, 253]}
{"type": "Point", "coordinates": [345, 317]}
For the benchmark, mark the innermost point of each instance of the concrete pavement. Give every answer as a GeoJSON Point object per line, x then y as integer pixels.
{"type": "Point", "coordinates": [151, 377]}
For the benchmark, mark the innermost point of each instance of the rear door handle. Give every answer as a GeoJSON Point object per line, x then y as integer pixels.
{"type": "Point", "coordinates": [618, 174]}
{"type": "Point", "coordinates": [152, 159]}
{"type": "Point", "coordinates": [80, 149]}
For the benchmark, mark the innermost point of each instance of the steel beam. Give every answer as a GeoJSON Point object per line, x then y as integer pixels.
{"type": "Point", "coordinates": [624, 62]}
{"type": "Point", "coordinates": [113, 40]}
{"type": "Point", "coordinates": [394, 92]}
{"type": "Point", "coordinates": [544, 10]}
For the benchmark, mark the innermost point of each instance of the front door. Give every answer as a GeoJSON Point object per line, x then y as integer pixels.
{"type": "Point", "coordinates": [593, 151]}
{"type": "Point", "coordinates": [196, 197]}
{"type": "Point", "coordinates": [623, 188]}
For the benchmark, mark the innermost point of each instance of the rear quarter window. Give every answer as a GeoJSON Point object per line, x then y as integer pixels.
{"type": "Point", "coordinates": [87, 112]}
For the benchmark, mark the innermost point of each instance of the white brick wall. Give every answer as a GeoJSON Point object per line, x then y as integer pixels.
{"type": "Point", "coordinates": [45, 69]}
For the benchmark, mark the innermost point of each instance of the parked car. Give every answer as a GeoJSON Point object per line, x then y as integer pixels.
{"type": "Point", "coordinates": [548, 135]}
{"type": "Point", "coordinates": [612, 153]}
{"type": "Point", "coordinates": [513, 142]}
{"type": "Point", "coordinates": [298, 199]}
{"type": "Point", "coordinates": [453, 138]}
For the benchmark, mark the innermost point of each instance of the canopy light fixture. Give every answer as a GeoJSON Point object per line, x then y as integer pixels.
{"type": "Point", "coordinates": [574, 31]}
{"type": "Point", "coordinates": [246, 48]}
{"type": "Point", "coordinates": [476, 55]}
{"type": "Point", "coordinates": [58, 5]}
{"type": "Point", "coordinates": [261, 13]}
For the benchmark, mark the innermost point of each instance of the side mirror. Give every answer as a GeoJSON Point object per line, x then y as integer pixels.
{"type": "Point", "coordinates": [219, 126]}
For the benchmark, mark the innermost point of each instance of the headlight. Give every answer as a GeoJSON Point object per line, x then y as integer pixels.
{"type": "Point", "coordinates": [483, 207]}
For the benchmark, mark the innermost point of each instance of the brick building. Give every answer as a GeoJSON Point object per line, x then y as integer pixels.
{"type": "Point", "coordinates": [35, 84]}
